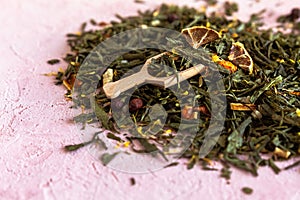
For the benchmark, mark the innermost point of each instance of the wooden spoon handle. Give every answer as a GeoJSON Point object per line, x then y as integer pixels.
{"type": "Point", "coordinates": [184, 75]}
{"type": "Point", "coordinates": [114, 89]}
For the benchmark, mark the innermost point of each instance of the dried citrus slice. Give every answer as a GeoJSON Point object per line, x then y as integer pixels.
{"type": "Point", "coordinates": [239, 56]}
{"type": "Point", "coordinates": [199, 35]}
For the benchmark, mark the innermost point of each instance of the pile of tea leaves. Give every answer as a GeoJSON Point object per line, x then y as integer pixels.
{"type": "Point", "coordinates": [263, 97]}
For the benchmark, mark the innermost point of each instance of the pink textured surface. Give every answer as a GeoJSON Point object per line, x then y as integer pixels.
{"type": "Point", "coordinates": [35, 118]}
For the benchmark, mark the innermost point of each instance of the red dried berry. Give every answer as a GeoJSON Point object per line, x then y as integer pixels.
{"type": "Point", "coordinates": [187, 112]}
{"type": "Point", "coordinates": [203, 110]}
{"type": "Point", "coordinates": [135, 104]}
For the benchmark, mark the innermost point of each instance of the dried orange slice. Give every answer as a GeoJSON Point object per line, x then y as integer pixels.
{"type": "Point", "coordinates": [199, 35]}
{"type": "Point", "coordinates": [239, 56]}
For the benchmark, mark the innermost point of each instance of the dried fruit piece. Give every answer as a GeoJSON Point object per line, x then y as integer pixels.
{"type": "Point", "coordinates": [298, 112]}
{"type": "Point", "coordinates": [188, 112]}
{"type": "Point", "coordinates": [199, 35]}
{"type": "Point", "coordinates": [108, 76]}
{"type": "Point", "coordinates": [203, 110]}
{"type": "Point", "coordinates": [70, 81]}
{"type": "Point", "coordinates": [135, 104]}
{"type": "Point", "coordinates": [226, 64]}
{"type": "Point", "coordinates": [242, 107]}
{"type": "Point", "coordinates": [295, 93]}
{"type": "Point", "coordinates": [281, 153]}
{"type": "Point", "coordinates": [239, 56]}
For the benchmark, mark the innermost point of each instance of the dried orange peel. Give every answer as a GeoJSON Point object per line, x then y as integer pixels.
{"type": "Point", "coordinates": [242, 107]}
{"type": "Point", "coordinates": [226, 64]}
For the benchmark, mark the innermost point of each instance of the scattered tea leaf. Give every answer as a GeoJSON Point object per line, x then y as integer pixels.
{"type": "Point", "coordinates": [53, 61]}
{"type": "Point", "coordinates": [106, 158]}
{"type": "Point", "coordinates": [247, 190]}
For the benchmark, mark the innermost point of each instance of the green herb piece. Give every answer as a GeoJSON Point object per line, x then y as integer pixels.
{"type": "Point", "coordinates": [274, 166]}
{"type": "Point", "coordinates": [247, 190]}
{"type": "Point", "coordinates": [230, 8]}
{"type": "Point", "coordinates": [106, 158]}
{"type": "Point", "coordinates": [211, 2]}
{"type": "Point", "coordinates": [114, 137]}
{"type": "Point", "coordinates": [226, 173]}
{"type": "Point", "coordinates": [235, 140]}
{"type": "Point", "coordinates": [53, 61]}
{"type": "Point", "coordinates": [101, 115]}
{"type": "Point", "coordinates": [94, 140]}
{"type": "Point", "coordinates": [139, 1]}
{"type": "Point", "coordinates": [171, 164]}
{"type": "Point", "coordinates": [74, 147]}
{"type": "Point", "coordinates": [297, 163]}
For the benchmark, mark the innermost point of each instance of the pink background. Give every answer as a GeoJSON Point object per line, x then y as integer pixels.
{"type": "Point", "coordinates": [36, 120]}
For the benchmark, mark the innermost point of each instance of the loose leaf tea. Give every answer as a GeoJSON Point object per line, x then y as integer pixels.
{"type": "Point", "coordinates": [247, 190]}
{"type": "Point", "coordinates": [53, 61]}
{"type": "Point", "coordinates": [260, 70]}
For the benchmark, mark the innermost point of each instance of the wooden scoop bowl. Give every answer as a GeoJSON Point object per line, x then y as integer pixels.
{"type": "Point", "coordinates": [114, 89]}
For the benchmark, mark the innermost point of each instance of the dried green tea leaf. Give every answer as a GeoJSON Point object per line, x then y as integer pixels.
{"type": "Point", "coordinates": [235, 140]}
{"type": "Point", "coordinates": [247, 190]}
{"type": "Point", "coordinates": [274, 166]}
{"type": "Point", "coordinates": [107, 158]}
{"type": "Point", "coordinates": [171, 164]}
{"type": "Point", "coordinates": [295, 164]}
{"type": "Point", "coordinates": [230, 8]}
{"type": "Point", "coordinates": [259, 92]}
{"type": "Point", "coordinates": [74, 147]}
{"type": "Point", "coordinates": [101, 115]}
{"type": "Point", "coordinates": [259, 68]}
{"type": "Point", "coordinates": [53, 61]}
{"type": "Point", "coordinates": [226, 173]}
{"type": "Point", "coordinates": [114, 137]}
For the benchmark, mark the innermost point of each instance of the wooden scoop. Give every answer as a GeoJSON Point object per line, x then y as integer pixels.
{"type": "Point", "coordinates": [114, 89]}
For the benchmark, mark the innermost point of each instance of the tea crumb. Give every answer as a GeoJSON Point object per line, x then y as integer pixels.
{"type": "Point", "coordinates": [247, 190]}
{"type": "Point", "coordinates": [132, 181]}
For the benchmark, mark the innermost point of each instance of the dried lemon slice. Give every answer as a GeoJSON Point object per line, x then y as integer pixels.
{"type": "Point", "coordinates": [199, 35]}
{"type": "Point", "coordinates": [239, 56]}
